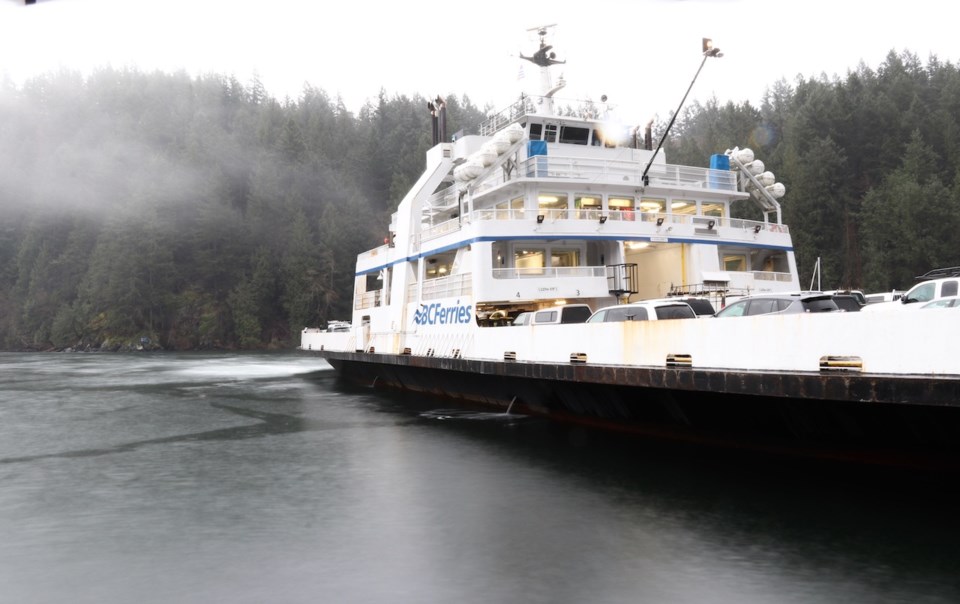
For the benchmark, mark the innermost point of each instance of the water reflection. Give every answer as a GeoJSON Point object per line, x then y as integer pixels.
{"type": "Point", "coordinates": [259, 478]}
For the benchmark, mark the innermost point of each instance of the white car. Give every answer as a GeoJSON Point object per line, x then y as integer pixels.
{"type": "Point", "coordinates": [643, 311]}
{"type": "Point", "coordinates": [933, 289]}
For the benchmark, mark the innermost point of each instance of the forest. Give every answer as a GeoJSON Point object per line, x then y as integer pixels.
{"type": "Point", "coordinates": [182, 212]}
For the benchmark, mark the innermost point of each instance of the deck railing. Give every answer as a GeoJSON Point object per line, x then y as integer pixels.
{"type": "Point", "coordinates": [442, 287]}
{"type": "Point", "coordinates": [553, 272]}
{"type": "Point", "coordinates": [593, 215]}
{"type": "Point", "coordinates": [621, 172]}
{"type": "Point", "coordinates": [496, 122]}
{"type": "Point", "coordinates": [771, 276]}
{"type": "Point", "coordinates": [377, 251]}
{"type": "Point", "coordinates": [370, 299]}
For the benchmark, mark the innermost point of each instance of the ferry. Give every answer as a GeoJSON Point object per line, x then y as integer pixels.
{"type": "Point", "coordinates": [540, 211]}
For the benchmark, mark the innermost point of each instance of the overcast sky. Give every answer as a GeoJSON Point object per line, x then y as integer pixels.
{"type": "Point", "coordinates": [642, 53]}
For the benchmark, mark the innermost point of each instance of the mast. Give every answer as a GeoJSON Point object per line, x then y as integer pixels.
{"type": "Point", "coordinates": [545, 58]}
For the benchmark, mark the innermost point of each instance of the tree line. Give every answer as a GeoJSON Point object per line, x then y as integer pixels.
{"type": "Point", "coordinates": [870, 162]}
{"type": "Point", "coordinates": [200, 212]}
{"type": "Point", "coordinates": [191, 212]}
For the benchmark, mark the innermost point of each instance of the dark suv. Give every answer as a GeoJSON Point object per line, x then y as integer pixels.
{"type": "Point", "coordinates": [765, 304]}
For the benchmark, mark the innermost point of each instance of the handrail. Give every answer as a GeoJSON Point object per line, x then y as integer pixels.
{"type": "Point", "coordinates": [374, 252]}
{"type": "Point", "coordinates": [460, 284]}
{"type": "Point", "coordinates": [622, 171]}
{"type": "Point", "coordinates": [552, 272]}
{"type": "Point", "coordinates": [592, 215]}
{"type": "Point", "coordinates": [594, 171]}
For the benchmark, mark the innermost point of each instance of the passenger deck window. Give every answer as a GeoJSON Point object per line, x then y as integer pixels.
{"type": "Point", "coordinates": [564, 257]}
{"type": "Point", "coordinates": [734, 263]}
{"type": "Point", "coordinates": [586, 203]}
{"type": "Point", "coordinates": [555, 202]}
{"type": "Point", "coordinates": [530, 259]}
{"type": "Point", "coordinates": [712, 209]}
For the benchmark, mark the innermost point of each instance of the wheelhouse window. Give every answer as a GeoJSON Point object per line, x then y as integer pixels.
{"type": "Point", "coordinates": [574, 136]}
{"type": "Point", "coordinates": [550, 133]}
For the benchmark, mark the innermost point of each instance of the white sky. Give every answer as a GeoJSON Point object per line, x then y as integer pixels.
{"type": "Point", "coordinates": [641, 53]}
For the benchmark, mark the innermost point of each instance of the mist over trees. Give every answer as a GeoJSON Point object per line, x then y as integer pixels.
{"type": "Point", "coordinates": [195, 212]}
{"type": "Point", "coordinates": [201, 212]}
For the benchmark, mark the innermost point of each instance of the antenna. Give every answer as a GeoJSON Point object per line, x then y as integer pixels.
{"type": "Point", "coordinates": [543, 57]}
{"type": "Point", "coordinates": [709, 50]}
{"type": "Point", "coordinates": [542, 30]}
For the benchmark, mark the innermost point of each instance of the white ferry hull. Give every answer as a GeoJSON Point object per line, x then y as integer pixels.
{"type": "Point", "coordinates": [838, 385]}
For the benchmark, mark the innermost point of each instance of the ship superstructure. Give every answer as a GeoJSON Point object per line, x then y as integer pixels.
{"type": "Point", "coordinates": [541, 209]}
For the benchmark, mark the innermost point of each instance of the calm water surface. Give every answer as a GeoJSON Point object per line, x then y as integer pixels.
{"type": "Point", "coordinates": [260, 479]}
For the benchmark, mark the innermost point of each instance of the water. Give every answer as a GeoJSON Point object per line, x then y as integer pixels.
{"type": "Point", "coordinates": [258, 478]}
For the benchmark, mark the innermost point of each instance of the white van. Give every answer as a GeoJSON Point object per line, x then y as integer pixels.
{"type": "Point", "coordinates": [932, 290]}
{"type": "Point", "coordinates": [644, 311]}
{"type": "Point", "coordinates": [569, 313]}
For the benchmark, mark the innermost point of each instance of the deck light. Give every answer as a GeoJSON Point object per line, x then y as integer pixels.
{"type": "Point", "coordinates": [756, 229]}
{"type": "Point", "coordinates": [603, 219]}
{"type": "Point", "coordinates": [540, 218]}
{"type": "Point", "coordinates": [711, 224]}
{"type": "Point", "coordinates": [660, 221]}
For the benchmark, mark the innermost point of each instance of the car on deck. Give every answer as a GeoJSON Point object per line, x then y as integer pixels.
{"type": "Point", "coordinates": [768, 304]}
{"type": "Point", "coordinates": [656, 310]}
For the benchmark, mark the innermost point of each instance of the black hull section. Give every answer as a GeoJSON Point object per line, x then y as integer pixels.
{"type": "Point", "coordinates": [892, 420]}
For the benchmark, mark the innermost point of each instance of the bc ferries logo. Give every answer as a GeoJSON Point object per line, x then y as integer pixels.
{"type": "Point", "coordinates": [440, 314]}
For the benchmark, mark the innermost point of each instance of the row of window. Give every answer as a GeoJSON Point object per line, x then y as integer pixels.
{"type": "Point", "coordinates": [559, 203]}
{"type": "Point", "coordinates": [579, 135]}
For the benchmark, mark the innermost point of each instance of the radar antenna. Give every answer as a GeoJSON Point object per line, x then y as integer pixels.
{"type": "Point", "coordinates": [543, 57]}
